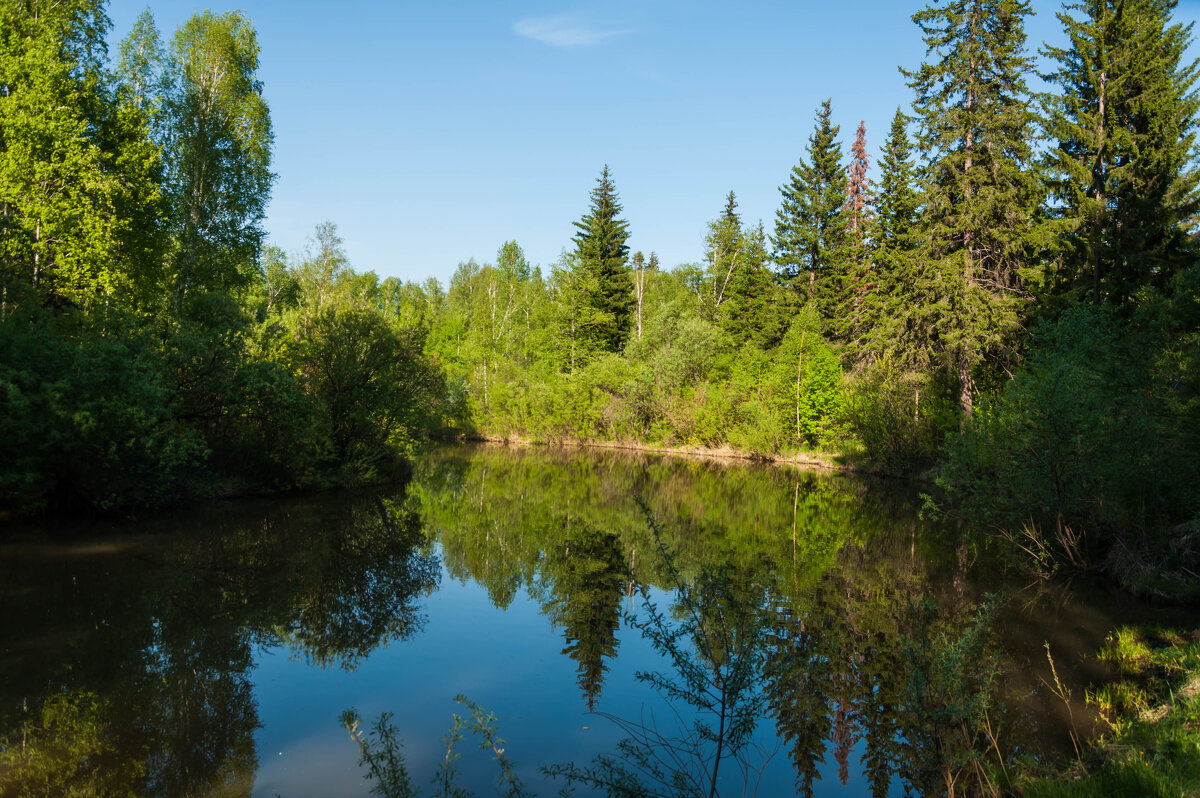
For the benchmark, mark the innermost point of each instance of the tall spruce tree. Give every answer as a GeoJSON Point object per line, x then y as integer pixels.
{"type": "Point", "coordinates": [810, 242]}
{"type": "Point", "coordinates": [1124, 127]}
{"type": "Point", "coordinates": [602, 255]}
{"type": "Point", "coordinates": [894, 233]}
{"type": "Point", "coordinates": [902, 321]}
{"type": "Point", "coordinates": [976, 125]}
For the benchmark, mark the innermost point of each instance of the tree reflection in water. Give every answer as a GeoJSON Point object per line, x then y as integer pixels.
{"type": "Point", "coordinates": [821, 576]}
{"type": "Point", "coordinates": [165, 629]}
{"type": "Point", "coordinates": [128, 664]}
{"type": "Point", "coordinates": [585, 575]}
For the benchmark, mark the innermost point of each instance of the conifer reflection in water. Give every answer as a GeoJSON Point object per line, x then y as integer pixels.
{"type": "Point", "coordinates": [147, 647]}
{"type": "Point", "coordinates": [713, 643]}
{"type": "Point", "coordinates": [865, 623]}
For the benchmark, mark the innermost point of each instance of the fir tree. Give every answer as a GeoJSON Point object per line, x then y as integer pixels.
{"type": "Point", "coordinates": [975, 125]}
{"type": "Point", "coordinates": [752, 313]}
{"type": "Point", "coordinates": [1125, 127]}
{"type": "Point", "coordinates": [724, 255]}
{"type": "Point", "coordinates": [894, 226]}
{"type": "Point", "coordinates": [902, 319]}
{"type": "Point", "coordinates": [601, 253]}
{"type": "Point", "coordinates": [810, 225]}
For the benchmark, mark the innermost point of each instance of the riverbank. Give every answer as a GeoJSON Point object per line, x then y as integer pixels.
{"type": "Point", "coordinates": [825, 461]}
{"type": "Point", "coordinates": [1153, 713]}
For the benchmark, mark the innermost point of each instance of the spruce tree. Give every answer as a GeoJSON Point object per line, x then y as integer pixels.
{"type": "Point", "coordinates": [894, 226]}
{"type": "Point", "coordinates": [723, 254]}
{"type": "Point", "coordinates": [976, 125]}
{"type": "Point", "coordinates": [1124, 127]}
{"type": "Point", "coordinates": [752, 313]}
{"type": "Point", "coordinates": [810, 239]}
{"type": "Point", "coordinates": [601, 254]}
{"type": "Point", "coordinates": [902, 320]}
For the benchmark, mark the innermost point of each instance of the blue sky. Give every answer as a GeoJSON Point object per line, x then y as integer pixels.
{"type": "Point", "coordinates": [432, 132]}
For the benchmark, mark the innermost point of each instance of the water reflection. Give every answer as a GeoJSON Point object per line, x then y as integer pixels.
{"type": "Point", "coordinates": [830, 580]}
{"type": "Point", "coordinates": [584, 576]}
{"type": "Point", "coordinates": [128, 670]}
{"type": "Point", "coordinates": [128, 659]}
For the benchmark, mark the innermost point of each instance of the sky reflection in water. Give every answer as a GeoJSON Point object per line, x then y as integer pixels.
{"type": "Point", "coordinates": [213, 651]}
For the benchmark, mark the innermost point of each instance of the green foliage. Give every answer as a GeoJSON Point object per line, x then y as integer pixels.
{"type": "Point", "coordinates": [684, 381]}
{"type": "Point", "coordinates": [810, 241]}
{"type": "Point", "coordinates": [79, 201]}
{"type": "Point", "coordinates": [900, 419]}
{"type": "Point", "coordinates": [67, 752]}
{"type": "Point", "coordinates": [1084, 444]}
{"type": "Point", "coordinates": [806, 382]}
{"type": "Point", "coordinates": [948, 698]}
{"type": "Point", "coordinates": [1122, 170]}
{"type": "Point", "coordinates": [379, 751]}
{"type": "Point", "coordinates": [219, 152]}
{"type": "Point", "coordinates": [367, 380]}
{"type": "Point", "coordinates": [87, 417]}
{"type": "Point", "coordinates": [1154, 712]}
{"type": "Point", "coordinates": [603, 272]}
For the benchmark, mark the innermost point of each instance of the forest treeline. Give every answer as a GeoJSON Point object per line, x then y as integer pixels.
{"type": "Point", "coordinates": [1010, 293]}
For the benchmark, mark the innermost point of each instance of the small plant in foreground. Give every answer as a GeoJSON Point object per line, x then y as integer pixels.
{"type": "Point", "coordinates": [717, 654]}
{"type": "Point", "coordinates": [379, 751]}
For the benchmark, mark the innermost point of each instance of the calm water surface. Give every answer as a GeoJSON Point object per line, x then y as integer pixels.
{"type": "Point", "coordinates": [211, 652]}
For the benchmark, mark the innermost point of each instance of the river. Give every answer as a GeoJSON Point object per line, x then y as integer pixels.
{"type": "Point", "coordinates": [211, 651]}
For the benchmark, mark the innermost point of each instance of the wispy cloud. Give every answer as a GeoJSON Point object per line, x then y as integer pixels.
{"type": "Point", "coordinates": [566, 30]}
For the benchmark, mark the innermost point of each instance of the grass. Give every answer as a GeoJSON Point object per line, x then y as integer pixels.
{"type": "Point", "coordinates": [1153, 713]}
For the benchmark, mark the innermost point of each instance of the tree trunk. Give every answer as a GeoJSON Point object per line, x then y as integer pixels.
{"type": "Point", "coordinates": [799, 371]}
{"type": "Point", "coordinates": [966, 388]}
{"type": "Point", "coordinates": [640, 284]}
{"type": "Point", "coordinates": [1098, 181]}
{"type": "Point", "coordinates": [965, 385]}
{"type": "Point", "coordinates": [37, 254]}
